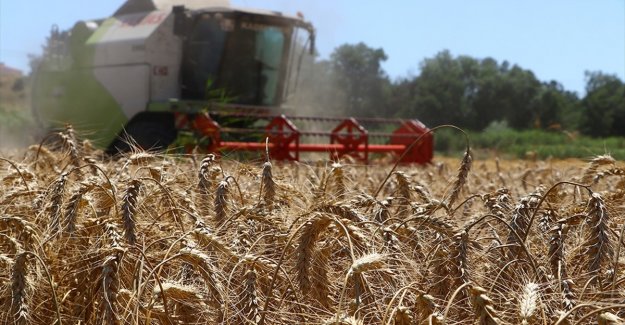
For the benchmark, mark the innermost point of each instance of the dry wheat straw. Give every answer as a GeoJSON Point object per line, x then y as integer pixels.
{"type": "Point", "coordinates": [344, 320]}
{"type": "Point", "coordinates": [207, 240]}
{"type": "Point", "coordinates": [178, 292]}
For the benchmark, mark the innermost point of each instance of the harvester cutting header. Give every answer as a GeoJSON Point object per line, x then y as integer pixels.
{"type": "Point", "coordinates": [157, 69]}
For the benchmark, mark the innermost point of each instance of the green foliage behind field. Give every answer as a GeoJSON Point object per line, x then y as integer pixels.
{"type": "Point", "coordinates": [471, 93]}
{"type": "Point", "coordinates": [509, 143]}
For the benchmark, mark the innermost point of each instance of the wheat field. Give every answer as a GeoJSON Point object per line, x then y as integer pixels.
{"type": "Point", "coordinates": [155, 239]}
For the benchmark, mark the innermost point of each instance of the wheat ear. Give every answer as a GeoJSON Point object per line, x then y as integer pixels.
{"type": "Point", "coordinates": [598, 246]}
{"type": "Point", "coordinates": [268, 192]}
{"type": "Point", "coordinates": [56, 201]}
{"type": "Point", "coordinates": [73, 206]}
{"type": "Point", "coordinates": [69, 139]}
{"type": "Point", "coordinates": [19, 287]}
{"type": "Point", "coordinates": [207, 174]}
{"type": "Point", "coordinates": [609, 319]}
{"type": "Point", "coordinates": [594, 164]}
{"type": "Point", "coordinates": [129, 208]}
{"type": "Point", "coordinates": [221, 202]}
{"type": "Point", "coordinates": [427, 309]}
{"type": "Point", "coordinates": [528, 302]}
{"type": "Point", "coordinates": [249, 299]}
{"type": "Point", "coordinates": [338, 180]}
{"type": "Point", "coordinates": [485, 313]}
{"type": "Point", "coordinates": [461, 179]}
{"type": "Point", "coordinates": [305, 248]}
{"type": "Point", "coordinates": [403, 316]}
{"type": "Point", "coordinates": [319, 279]}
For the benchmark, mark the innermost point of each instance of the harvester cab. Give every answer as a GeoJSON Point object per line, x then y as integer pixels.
{"type": "Point", "coordinates": [158, 68]}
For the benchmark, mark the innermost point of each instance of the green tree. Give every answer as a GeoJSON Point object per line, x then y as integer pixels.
{"type": "Point", "coordinates": [470, 93]}
{"type": "Point", "coordinates": [440, 91]}
{"type": "Point", "coordinates": [520, 89]}
{"type": "Point", "coordinates": [358, 71]}
{"type": "Point", "coordinates": [555, 107]}
{"type": "Point", "coordinates": [603, 106]}
{"type": "Point", "coordinates": [487, 103]}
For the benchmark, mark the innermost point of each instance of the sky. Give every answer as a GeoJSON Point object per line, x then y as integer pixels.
{"type": "Point", "coordinates": [556, 39]}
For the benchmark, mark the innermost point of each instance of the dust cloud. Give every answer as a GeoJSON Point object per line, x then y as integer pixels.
{"type": "Point", "coordinates": [17, 125]}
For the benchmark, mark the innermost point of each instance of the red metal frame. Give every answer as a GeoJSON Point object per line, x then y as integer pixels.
{"type": "Point", "coordinates": [284, 137]}
{"type": "Point", "coordinates": [351, 136]}
{"type": "Point", "coordinates": [406, 134]}
{"type": "Point", "coordinates": [348, 138]}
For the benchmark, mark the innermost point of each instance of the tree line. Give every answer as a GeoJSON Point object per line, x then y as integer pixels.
{"type": "Point", "coordinates": [465, 91]}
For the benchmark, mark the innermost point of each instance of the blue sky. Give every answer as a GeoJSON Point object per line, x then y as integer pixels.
{"type": "Point", "coordinates": [557, 39]}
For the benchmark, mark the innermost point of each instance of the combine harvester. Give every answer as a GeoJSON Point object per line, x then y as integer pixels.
{"type": "Point", "coordinates": [158, 68]}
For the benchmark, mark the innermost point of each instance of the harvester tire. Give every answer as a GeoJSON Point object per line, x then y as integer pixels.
{"type": "Point", "coordinates": [150, 132]}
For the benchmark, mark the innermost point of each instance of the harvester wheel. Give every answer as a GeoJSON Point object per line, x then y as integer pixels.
{"type": "Point", "coordinates": [152, 132]}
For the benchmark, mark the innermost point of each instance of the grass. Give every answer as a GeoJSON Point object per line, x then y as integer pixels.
{"type": "Point", "coordinates": [508, 143]}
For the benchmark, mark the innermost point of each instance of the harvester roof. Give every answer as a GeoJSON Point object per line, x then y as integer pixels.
{"type": "Point", "coordinates": [137, 6]}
